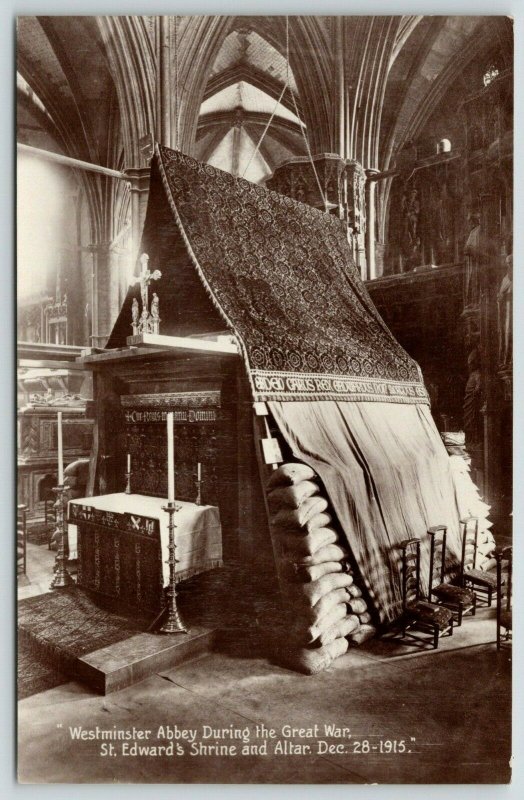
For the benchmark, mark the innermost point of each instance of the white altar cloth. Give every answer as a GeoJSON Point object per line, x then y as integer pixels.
{"type": "Point", "coordinates": [198, 533]}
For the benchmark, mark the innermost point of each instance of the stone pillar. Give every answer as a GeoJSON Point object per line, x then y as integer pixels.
{"type": "Point", "coordinates": [139, 184]}
{"type": "Point", "coordinates": [356, 213]}
{"type": "Point", "coordinates": [371, 187]}
{"type": "Point", "coordinates": [237, 142]}
{"type": "Point", "coordinates": [104, 291]}
{"type": "Point", "coordinates": [164, 74]}
{"type": "Point", "coordinates": [340, 74]}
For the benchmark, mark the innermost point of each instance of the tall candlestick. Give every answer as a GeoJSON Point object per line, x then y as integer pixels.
{"type": "Point", "coordinates": [129, 462]}
{"type": "Point", "coordinates": [199, 471]}
{"type": "Point", "coordinates": [170, 459]}
{"type": "Point", "coordinates": [60, 451]}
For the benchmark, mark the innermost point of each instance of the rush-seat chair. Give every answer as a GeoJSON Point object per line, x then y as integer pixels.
{"type": "Point", "coordinates": [458, 599]}
{"type": "Point", "coordinates": [482, 582]}
{"type": "Point", "coordinates": [419, 615]}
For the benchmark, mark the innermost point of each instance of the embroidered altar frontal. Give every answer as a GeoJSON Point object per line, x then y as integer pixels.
{"type": "Point", "coordinates": [123, 545]}
{"type": "Point", "coordinates": [281, 276]}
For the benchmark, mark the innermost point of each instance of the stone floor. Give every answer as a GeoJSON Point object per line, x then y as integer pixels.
{"type": "Point", "coordinates": [446, 712]}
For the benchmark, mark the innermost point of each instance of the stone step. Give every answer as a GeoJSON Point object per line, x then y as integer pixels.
{"type": "Point", "coordinates": [106, 650]}
{"type": "Point", "coordinates": [132, 660]}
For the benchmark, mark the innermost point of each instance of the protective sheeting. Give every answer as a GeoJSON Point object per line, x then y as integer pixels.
{"type": "Point", "coordinates": [388, 477]}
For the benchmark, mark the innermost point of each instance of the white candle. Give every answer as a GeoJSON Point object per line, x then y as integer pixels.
{"type": "Point", "coordinates": [60, 450]}
{"type": "Point", "coordinates": [170, 459]}
{"type": "Point", "coordinates": [129, 462]}
{"type": "Point", "coordinates": [199, 471]}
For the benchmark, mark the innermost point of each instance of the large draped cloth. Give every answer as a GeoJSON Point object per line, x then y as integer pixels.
{"type": "Point", "coordinates": [388, 477]}
{"type": "Point", "coordinates": [349, 400]}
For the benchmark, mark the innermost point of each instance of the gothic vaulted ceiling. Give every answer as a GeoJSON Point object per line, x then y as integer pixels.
{"type": "Point", "coordinates": [358, 86]}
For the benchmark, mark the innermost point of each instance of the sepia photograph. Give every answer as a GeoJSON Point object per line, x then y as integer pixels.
{"type": "Point", "coordinates": [264, 386]}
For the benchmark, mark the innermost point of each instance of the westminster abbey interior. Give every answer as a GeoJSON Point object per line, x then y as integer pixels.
{"type": "Point", "coordinates": [264, 370]}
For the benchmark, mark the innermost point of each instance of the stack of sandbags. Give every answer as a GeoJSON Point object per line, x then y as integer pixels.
{"type": "Point", "coordinates": [326, 609]}
{"type": "Point", "coordinates": [468, 499]}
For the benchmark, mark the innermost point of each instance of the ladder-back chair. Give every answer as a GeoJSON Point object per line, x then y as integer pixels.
{"type": "Point", "coordinates": [504, 558]}
{"type": "Point", "coordinates": [419, 615]}
{"type": "Point", "coordinates": [482, 582]}
{"type": "Point", "coordinates": [21, 539]}
{"type": "Point", "coordinates": [458, 599]}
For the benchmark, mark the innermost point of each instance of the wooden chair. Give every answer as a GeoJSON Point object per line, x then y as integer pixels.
{"type": "Point", "coordinates": [420, 615]}
{"type": "Point", "coordinates": [21, 540]}
{"type": "Point", "coordinates": [458, 599]}
{"type": "Point", "coordinates": [483, 583]}
{"type": "Point", "coordinates": [504, 595]}
{"type": "Point", "coordinates": [49, 519]}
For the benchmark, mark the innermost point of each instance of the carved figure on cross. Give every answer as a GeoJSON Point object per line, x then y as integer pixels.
{"type": "Point", "coordinates": [145, 278]}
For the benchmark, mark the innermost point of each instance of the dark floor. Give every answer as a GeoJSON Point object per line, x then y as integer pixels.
{"type": "Point", "coordinates": [447, 713]}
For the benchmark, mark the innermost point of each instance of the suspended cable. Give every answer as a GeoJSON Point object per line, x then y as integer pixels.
{"type": "Point", "coordinates": [306, 141]}
{"type": "Point", "coordinates": [270, 120]}
{"type": "Point", "coordinates": [302, 126]}
{"type": "Point", "coordinates": [322, 195]}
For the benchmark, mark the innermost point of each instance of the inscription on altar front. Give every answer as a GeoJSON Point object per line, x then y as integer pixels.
{"type": "Point", "coordinates": [179, 415]}
{"type": "Point", "coordinates": [197, 416]}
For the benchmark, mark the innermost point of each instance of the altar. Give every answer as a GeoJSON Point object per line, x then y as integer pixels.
{"type": "Point", "coordinates": [122, 545]}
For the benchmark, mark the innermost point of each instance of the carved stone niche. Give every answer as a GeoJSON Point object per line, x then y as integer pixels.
{"type": "Point", "coordinates": [488, 117]}
{"type": "Point", "coordinates": [43, 392]}
{"type": "Point", "coordinates": [295, 178]}
{"type": "Point", "coordinates": [343, 187]}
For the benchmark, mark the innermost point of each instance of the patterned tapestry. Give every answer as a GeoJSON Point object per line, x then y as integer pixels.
{"type": "Point", "coordinates": [280, 274]}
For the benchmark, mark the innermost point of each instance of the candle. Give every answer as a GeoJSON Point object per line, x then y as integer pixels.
{"type": "Point", "coordinates": [60, 451]}
{"type": "Point", "coordinates": [199, 471]}
{"type": "Point", "coordinates": [129, 462]}
{"type": "Point", "coordinates": [170, 459]}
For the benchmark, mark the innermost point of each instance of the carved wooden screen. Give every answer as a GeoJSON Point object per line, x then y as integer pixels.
{"type": "Point", "coordinates": [196, 417]}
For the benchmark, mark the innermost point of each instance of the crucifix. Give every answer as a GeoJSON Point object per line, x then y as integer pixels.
{"type": "Point", "coordinates": [145, 278]}
{"type": "Point", "coordinates": [143, 323]}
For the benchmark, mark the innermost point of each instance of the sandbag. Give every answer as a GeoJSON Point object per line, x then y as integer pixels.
{"type": "Point", "coordinates": [297, 517]}
{"type": "Point", "coordinates": [315, 629]}
{"type": "Point", "coordinates": [309, 574]}
{"type": "Point", "coordinates": [311, 593]}
{"type": "Point", "coordinates": [357, 605]}
{"type": "Point", "coordinates": [290, 496]}
{"type": "Point", "coordinates": [329, 552]}
{"type": "Point", "coordinates": [308, 545]}
{"type": "Point", "coordinates": [288, 474]}
{"type": "Point", "coordinates": [364, 633]}
{"type": "Point", "coordinates": [343, 627]}
{"type": "Point", "coordinates": [314, 660]}
{"type": "Point", "coordinates": [325, 603]}
{"type": "Point", "coordinates": [322, 520]}
{"type": "Point", "coordinates": [365, 618]}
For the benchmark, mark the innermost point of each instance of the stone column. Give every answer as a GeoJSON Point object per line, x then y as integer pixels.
{"type": "Point", "coordinates": [371, 187]}
{"type": "Point", "coordinates": [139, 184]}
{"type": "Point", "coordinates": [340, 75]}
{"type": "Point", "coordinates": [104, 291]}
{"type": "Point", "coordinates": [164, 75]}
{"type": "Point", "coordinates": [237, 141]}
{"type": "Point", "coordinates": [356, 213]}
